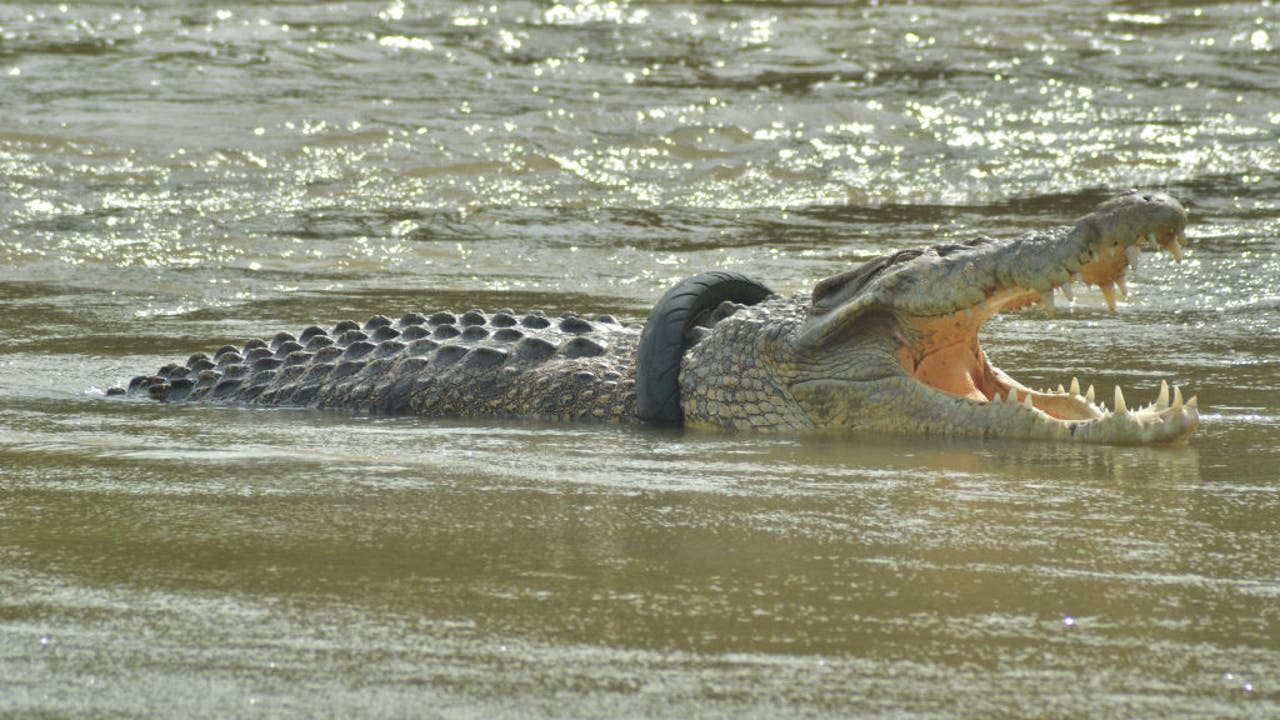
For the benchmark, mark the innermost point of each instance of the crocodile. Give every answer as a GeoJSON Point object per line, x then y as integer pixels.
{"type": "Point", "coordinates": [890, 345]}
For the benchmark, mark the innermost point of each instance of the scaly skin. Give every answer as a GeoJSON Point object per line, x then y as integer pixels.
{"type": "Point", "coordinates": [890, 346]}
{"type": "Point", "coordinates": [445, 365]}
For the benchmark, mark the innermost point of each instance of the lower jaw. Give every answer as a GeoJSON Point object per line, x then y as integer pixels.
{"type": "Point", "coordinates": [1065, 405]}
{"type": "Point", "coordinates": [1071, 417]}
{"type": "Point", "coordinates": [979, 381]}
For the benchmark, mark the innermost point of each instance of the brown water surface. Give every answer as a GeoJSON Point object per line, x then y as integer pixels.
{"type": "Point", "coordinates": [174, 176]}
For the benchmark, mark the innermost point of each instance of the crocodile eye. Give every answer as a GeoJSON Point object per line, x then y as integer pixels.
{"type": "Point", "coordinates": [832, 292]}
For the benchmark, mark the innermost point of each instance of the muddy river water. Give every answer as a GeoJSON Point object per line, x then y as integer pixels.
{"type": "Point", "coordinates": [175, 176]}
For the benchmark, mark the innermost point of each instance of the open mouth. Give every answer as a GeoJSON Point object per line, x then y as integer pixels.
{"type": "Point", "coordinates": [943, 352]}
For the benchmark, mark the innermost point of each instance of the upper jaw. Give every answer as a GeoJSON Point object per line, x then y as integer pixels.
{"type": "Point", "coordinates": [999, 274]}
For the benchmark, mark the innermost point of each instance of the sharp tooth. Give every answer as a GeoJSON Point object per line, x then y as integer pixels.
{"type": "Point", "coordinates": [1193, 403]}
{"type": "Point", "coordinates": [1109, 292]}
{"type": "Point", "coordinates": [1075, 386]}
{"type": "Point", "coordinates": [1177, 399]}
{"type": "Point", "coordinates": [1061, 390]}
{"type": "Point", "coordinates": [1026, 402]}
{"type": "Point", "coordinates": [1120, 406]}
{"type": "Point", "coordinates": [1162, 399]}
{"type": "Point", "coordinates": [1134, 255]}
{"type": "Point", "coordinates": [1089, 395]}
{"type": "Point", "coordinates": [1067, 293]}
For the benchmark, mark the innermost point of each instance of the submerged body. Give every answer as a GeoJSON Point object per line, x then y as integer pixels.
{"type": "Point", "coordinates": [889, 346]}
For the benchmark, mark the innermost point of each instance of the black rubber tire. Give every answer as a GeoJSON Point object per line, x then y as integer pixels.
{"type": "Point", "coordinates": [662, 341]}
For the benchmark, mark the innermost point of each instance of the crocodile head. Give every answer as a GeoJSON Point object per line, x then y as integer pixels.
{"type": "Point", "coordinates": [918, 314]}
{"type": "Point", "coordinates": [893, 344]}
